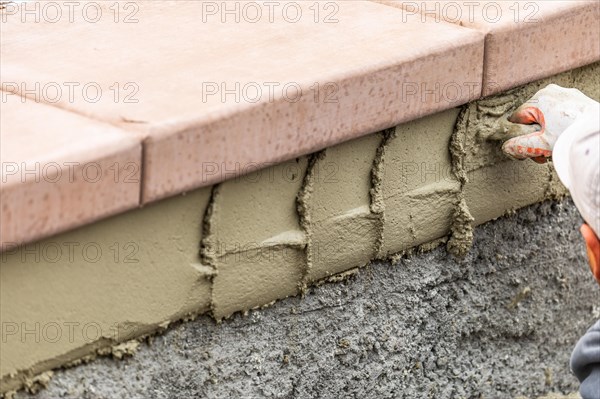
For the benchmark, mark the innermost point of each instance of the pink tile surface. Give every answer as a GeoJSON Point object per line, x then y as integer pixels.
{"type": "Point", "coordinates": [526, 40]}
{"type": "Point", "coordinates": [189, 76]}
{"type": "Point", "coordinates": [61, 170]}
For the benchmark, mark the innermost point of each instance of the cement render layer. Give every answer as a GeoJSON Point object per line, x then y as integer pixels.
{"type": "Point", "coordinates": [427, 326]}
{"type": "Point", "coordinates": [261, 237]}
{"type": "Point", "coordinates": [106, 283]}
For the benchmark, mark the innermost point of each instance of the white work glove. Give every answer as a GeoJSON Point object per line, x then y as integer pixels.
{"type": "Point", "coordinates": [554, 109]}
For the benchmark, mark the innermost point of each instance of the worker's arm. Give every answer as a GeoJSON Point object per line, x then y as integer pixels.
{"type": "Point", "coordinates": [585, 363]}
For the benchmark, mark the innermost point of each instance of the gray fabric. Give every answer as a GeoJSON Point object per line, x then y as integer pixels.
{"type": "Point", "coordinates": [585, 363]}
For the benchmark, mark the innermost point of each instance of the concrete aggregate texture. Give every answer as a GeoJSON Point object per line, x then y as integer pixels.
{"type": "Point", "coordinates": [500, 323]}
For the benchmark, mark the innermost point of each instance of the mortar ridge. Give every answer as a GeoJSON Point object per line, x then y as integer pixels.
{"type": "Point", "coordinates": [303, 212]}
{"type": "Point", "coordinates": [461, 229]}
{"type": "Point", "coordinates": [377, 204]}
{"type": "Point", "coordinates": [208, 244]}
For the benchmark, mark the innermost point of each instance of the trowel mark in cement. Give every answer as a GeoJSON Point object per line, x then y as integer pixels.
{"type": "Point", "coordinates": [302, 206]}
{"type": "Point", "coordinates": [254, 239]}
{"type": "Point", "coordinates": [323, 223]}
{"type": "Point", "coordinates": [461, 230]}
{"type": "Point", "coordinates": [335, 208]}
{"type": "Point", "coordinates": [208, 248]}
{"type": "Point", "coordinates": [418, 188]}
{"type": "Point", "coordinates": [377, 202]}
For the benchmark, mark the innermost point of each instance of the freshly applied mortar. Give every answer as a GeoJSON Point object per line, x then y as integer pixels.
{"type": "Point", "coordinates": [377, 206]}
{"type": "Point", "coordinates": [268, 235]}
{"type": "Point", "coordinates": [257, 243]}
{"type": "Point", "coordinates": [428, 326]}
{"type": "Point", "coordinates": [478, 163]}
{"type": "Point", "coordinates": [334, 207]}
{"type": "Point", "coordinates": [82, 293]}
{"type": "Point", "coordinates": [418, 188]}
{"type": "Point", "coordinates": [372, 198]}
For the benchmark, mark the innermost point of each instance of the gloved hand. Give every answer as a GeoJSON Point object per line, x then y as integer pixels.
{"type": "Point", "coordinates": [554, 109]}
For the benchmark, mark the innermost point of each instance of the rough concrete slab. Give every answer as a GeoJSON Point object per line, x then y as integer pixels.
{"type": "Point", "coordinates": [499, 324]}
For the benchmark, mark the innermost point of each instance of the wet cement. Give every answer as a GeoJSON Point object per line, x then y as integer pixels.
{"type": "Point", "coordinates": [499, 323]}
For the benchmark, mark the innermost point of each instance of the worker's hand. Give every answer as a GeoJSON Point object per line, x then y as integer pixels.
{"type": "Point", "coordinates": [554, 109]}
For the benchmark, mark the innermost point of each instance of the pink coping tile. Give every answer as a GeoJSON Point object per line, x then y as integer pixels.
{"type": "Point", "coordinates": [526, 40]}
{"type": "Point", "coordinates": [61, 170]}
{"type": "Point", "coordinates": [222, 88]}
